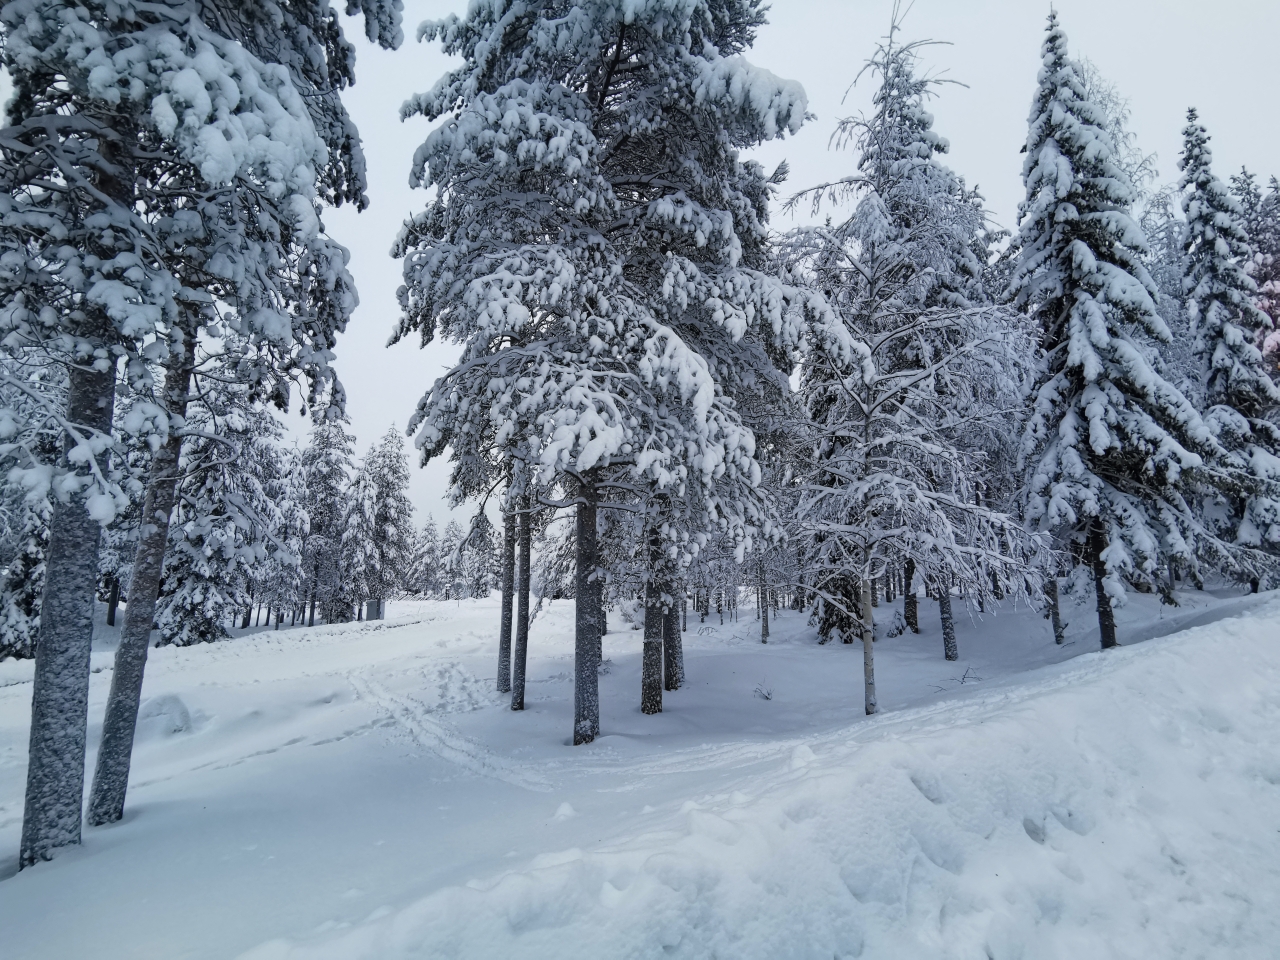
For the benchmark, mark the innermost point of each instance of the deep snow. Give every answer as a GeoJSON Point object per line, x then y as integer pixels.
{"type": "Point", "coordinates": [360, 792]}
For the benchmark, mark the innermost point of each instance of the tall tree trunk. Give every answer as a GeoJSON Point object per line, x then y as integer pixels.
{"type": "Point", "coordinates": [1106, 616]}
{"type": "Point", "coordinates": [910, 607]}
{"type": "Point", "coordinates": [1055, 613]}
{"type": "Point", "coordinates": [651, 661]}
{"type": "Point", "coordinates": [672, 647]}
{"type": "Point", "coordinates": [764, 606]}
{"type": "Point", "coordinates": [586, 639]}
{"type": "Point", "coordinates": [948, 625]}
{"type": "Point", "coordinates": [875, 594]}
{"type": "Point", "coordinates": [524, 541]}
{"type": "Point", "coordinates": [508, 600]}
{"type": "Point", "coordinates": [868, 651]}
{"type": "Point", "coordinates": [60, 694]}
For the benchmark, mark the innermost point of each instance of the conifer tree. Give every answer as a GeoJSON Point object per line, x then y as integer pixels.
{"type": "Point", "coordinates": [598, 245]}
{"type": "Point", "coordinates": [1114, 454]}
{"type": "Point", "coordinates": [1230, 329]}
{"type": "Point", "coordinates": [897, 458]}
{"type": "Point", "coordinates": [326, 469]}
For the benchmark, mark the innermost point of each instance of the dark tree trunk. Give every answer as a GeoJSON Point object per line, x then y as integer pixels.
{"type": "Point", "coordinates": [1106, 616]}
{"type": "Point", "coordinates": [508, 601]}
{"type": "Point", "coordinates": [113, 602]}
{"type": "Point", "coordinates": [651, 662]}
{"type": "Point", "coordinates": [1055, 612]}
{"type": "Point", "coordinates": [524, 540]}
{"type": "Point", "coordinates": [910, 607]}
{"type": "Point", "coordinates": [672, 649]}
{"type": "Point", "coordinates": [60, 694]}
{"type": "Point", "coordinates": [764, 606]}
{"type": "Point", "coordinates": [948, 625]}
{"type": "Point", "coordinates": [586, 640]}
{"type": "Point", "coordinates": [875, 594]}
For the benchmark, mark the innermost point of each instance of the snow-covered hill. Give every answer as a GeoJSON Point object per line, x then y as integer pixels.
{"type": "Point", "coordinates": [360, 792]}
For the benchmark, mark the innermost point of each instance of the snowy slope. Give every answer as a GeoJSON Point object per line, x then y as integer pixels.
{"type": "Point", "coordinates": [359, 791]}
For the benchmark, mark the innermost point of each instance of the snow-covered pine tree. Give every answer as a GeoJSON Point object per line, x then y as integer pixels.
{"type": "Point", "coordinates": [597, 244]}
{"type": "Point", "coordinates": [896, 462]}
{"type": "Point", "coordinates": [326, 469]}
{"type": "Point", "coordinates": [425, 571]}
{"type": "Point", "coordinates": [230, 144]}
{"type": "Point", "coordinates": [1239, 394]}
{"type": "Point", "coordinates": [228, 518]}
{"type": "Point", "coordinates": [1261, 223]}
{"type": "Point", "coordinates": [377, 536]}
{"type": "Point", "coordinates": [1112, 451]}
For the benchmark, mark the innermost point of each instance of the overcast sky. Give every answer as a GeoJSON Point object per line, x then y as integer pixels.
{"type": "Point", "coordinates": [1164, 55]}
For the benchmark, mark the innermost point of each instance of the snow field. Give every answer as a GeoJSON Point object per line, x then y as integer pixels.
{"type": "Point", "coordinates": [360, 791]}
{"type": "Point", "coordinates": [1124, 805]}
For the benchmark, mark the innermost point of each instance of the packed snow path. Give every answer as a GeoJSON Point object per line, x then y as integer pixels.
{"type": "Point", "coordinates": [361, 792]}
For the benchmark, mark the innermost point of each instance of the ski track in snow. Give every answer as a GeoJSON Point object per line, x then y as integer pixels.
{"type": "Point", "coordinates": [436, 736]}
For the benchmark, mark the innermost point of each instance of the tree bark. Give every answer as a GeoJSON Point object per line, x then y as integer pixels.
{"type": "Point", "coordinates": [868, 652]}
{"type": "Point", "coordinates": [60, 694]}
{"type": "Point", "coordinates": [586, 640]}
{"type": "Point", "coordinates": [113, 601]}
{"type": "Point", "coordinates": [1106, 616]}
{"type": "Point", "coordinates": [764, 605]}
{"type": "Point", "coordinates": [1055, 613]}
{"type": "Point", "coordinates": [672, 648]}
{"type": "Point", "coordinates": [651, 661]}
{"type": "Point", "coordinates": [508, 601]}
{"type": "Point", "coordinates": [524, 541]}
{"type": "Point", "coordinates": [910, 606]}
{"type": "Point", "coordinates": [948, 625]}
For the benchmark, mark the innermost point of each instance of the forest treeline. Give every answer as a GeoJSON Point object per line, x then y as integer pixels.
{"type": "Point", "coordinates": [661, 401]}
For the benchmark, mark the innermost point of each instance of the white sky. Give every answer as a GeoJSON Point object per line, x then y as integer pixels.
{"type": "Point", "coordinates": [1164, 55]}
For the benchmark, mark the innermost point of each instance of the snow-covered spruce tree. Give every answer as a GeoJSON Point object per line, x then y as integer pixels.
{"type": "Point", "coordinates": [231, 145]}
{"type": "Point", "coordinates": [326, 469]}
{"type": "Point", "coordinates": [377, 535]}
{"type": "Point", "coordinates": [597, 244]}
{"type": "Point", "coordinates": [227, 520]}
{"type": "Point", "coordinates": [425, 570]}
{"type": "Point", "coordinates": [1113, 452]}
{"type": "Point", "coordinates": [896, 466]}
{"type": "Point", "coordinates": [1239, 394]}
{"type": "Point", "coordinates": [1261, 223]}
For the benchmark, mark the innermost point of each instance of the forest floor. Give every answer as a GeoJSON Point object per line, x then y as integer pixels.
{"type": "Point", "coordinates": [360, 791]}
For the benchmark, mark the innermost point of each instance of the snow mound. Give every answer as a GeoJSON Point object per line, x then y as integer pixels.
{"type": "Point", "coordinates": [1122, 805]}
{"type": "Point", "coordinates": [162, 716]}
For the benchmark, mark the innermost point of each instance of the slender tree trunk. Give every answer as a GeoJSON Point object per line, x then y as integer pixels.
{"type": "Point", "coordinates": [948, 625]}
{"type": "Point", "coordinates": [508, 600]}
{"type": "Point", "coordinates": [113, 602]}
{"type": "Point", "coordinates": [311, 617]}
{"type": "Point", "coordinates": [651, 661]}
{"type": "Point", "coordinates": [684, 613]}
{"type": "Point", "coordinates": [60, 694]}
{"type": "Point", "coordinates": [672, 647]}
{"type": "Point", "coordinates": [868, 651]}
{"type": "Point", "coordinates": [1106, 616]}
{"type": "Point", "coordinates": [1055, 613]}
{"type": "Point", "coordinates": [910, 606]}
{"type": "Point", "coordinates": [764, 607]}
{"type": "Point", "coordinates": [586, 640]}
{"type": "Point", "coordinates": [875, 594]}
{"type": "Point", "coordinates": [524, 540]}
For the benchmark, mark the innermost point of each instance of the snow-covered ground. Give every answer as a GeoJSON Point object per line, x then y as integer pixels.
{"type": "Point", "coordinates": [361, 792]}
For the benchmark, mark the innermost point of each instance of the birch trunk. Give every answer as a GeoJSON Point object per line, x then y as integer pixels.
{"type": "Point", "coordinates": [868, 651]}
